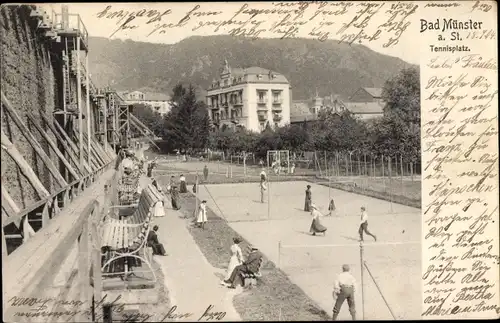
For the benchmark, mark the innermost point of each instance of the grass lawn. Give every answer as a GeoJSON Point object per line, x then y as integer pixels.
{"type": "Point", "coordinates": [275, 296]}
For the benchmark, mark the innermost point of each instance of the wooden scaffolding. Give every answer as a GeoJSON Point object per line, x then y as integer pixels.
{"type": "Point", "coordinates": [82, 164]}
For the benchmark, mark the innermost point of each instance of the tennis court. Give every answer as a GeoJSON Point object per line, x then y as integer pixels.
{"type": "Point", "coordinates": [280, 231]}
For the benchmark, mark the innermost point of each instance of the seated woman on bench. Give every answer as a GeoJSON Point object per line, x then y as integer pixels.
{"type": "Point", "coordinates": [251, 265]}
{"type": "Point", "coordinates": [155, 244]}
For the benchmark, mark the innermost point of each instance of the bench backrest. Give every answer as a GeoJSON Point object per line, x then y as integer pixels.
{"type": "Point", "coordinates": [147, 202]}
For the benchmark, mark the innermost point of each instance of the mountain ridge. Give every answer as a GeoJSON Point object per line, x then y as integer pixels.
{"type": "Point", "coordinates": [309, 65]}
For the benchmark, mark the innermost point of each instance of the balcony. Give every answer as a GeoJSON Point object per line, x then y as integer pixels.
{"type": "Point", "coordinates": [277, 117]}
{"type": "Point", "coordinates": [277, 108]}
{"type": "Point", "coordinates": [261, 108]}
{"type": "Point", "coordinates": [214, 107]}
{"type": "Point", "coordinates": [262, 101]}
{"type": "Point", "coordinates": [278, 101]}
{"type": "Point", "coordinates": [262, 116]}
{"type": "Point", "coordinates": [236, 102]}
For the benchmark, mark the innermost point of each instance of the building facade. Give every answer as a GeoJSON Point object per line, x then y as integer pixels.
{"type": "Point", "coordinates": [159, 102]}
{"type": "Point", "coordinates": [251, 97]}
{"type": "Point", "coordinates": [364, 104]}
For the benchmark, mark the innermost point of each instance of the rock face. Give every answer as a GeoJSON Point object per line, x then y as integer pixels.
{"type": "Point", "coordinates": [28, 82]}
{"type": "Point", "coordinates": [310, 65]}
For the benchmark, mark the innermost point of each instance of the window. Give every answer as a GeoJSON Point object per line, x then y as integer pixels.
{"type": "Point", "coordinates": [261, 96]}
{"type": "Point", "coordinates": [276, 96]}
{"type": "Point", "coordinates": [259, 77]}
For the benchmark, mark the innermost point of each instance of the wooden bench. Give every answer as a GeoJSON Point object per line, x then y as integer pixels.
{"type": "Point", "coordinates": [127, 188]}
{"type": "Point", "coordinates": [125, 239]}
{"type": "Point", "coordinates": [250, 279]}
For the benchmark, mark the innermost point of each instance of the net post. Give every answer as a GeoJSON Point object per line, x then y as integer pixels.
{"type": "Point", "coordinates": [268, 180]}
{"type": "Point", "coordinates": [361, 252]}
{"type": "Point", "coordinates": [231, 168]}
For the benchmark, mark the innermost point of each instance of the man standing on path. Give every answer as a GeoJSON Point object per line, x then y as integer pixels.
{"type": "Point", "coordinates": [343, 289]}
{"type": "Point", "coordinates": [363, 226]}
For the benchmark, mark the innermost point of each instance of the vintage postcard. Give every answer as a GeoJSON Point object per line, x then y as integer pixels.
{"type": "Point", "coordinates": [249, 161]}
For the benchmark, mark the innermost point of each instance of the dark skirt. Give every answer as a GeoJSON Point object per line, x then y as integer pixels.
{"type": "Point", "coordinates": [316, 227]}
{"type": "Point", "coordinates": [158, 249]}
{"type": "Point", "coordinates": [175, 206]}
{"type": "Point", "coordinates": [183, 188]}
{"type": "Point", "coordinates": [307, 205]}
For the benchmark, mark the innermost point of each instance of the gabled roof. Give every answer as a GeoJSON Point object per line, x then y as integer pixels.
{"type": "Point", "coordinates": [375, 92]}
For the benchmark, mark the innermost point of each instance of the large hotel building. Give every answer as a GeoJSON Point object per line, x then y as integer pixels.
{"type": "Point", "coordinates": [249, 97]}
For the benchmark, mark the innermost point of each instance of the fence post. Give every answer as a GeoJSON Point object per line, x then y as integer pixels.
{"type": "Point", "coordinates": [390, 181]}
{"type": "Point", "coordinates": [402, 173]}
{"type": "Point", "coordinates": [326, 164]}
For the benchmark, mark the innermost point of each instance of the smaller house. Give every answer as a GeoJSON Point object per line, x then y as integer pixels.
{"type": "Point", "coordinates": [365, 110]}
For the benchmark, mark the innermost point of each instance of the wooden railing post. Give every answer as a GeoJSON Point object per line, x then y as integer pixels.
{"type": "Point", "coordinates": [83, 270]}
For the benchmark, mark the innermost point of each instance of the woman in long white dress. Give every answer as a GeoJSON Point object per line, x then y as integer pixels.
{"type": "Point", "coordinates": [202, 215]}
{"type": "Point", "coordinates": [316, 226]}
{"type": "Point", "coordinates": [236, 257]}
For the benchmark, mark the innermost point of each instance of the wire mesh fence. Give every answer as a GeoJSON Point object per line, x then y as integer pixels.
{"type": "Point", "coordinates": [392, 178]}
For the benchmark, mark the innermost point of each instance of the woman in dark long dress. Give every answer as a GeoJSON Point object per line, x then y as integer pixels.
{"type": "Point", "coordinates": [316, 226]}
{"type": "Point", "coordinates": [307, 205]}
{"type": "Point", "coordinates": [183, 188]}
{"type": "Point", "coordinates": [175, 198]}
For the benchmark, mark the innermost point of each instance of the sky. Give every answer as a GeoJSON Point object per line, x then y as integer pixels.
{"type": "Point", "coordinates": [325, 21]}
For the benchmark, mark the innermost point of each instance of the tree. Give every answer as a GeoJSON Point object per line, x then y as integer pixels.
{"type": "Point", "coordinates": [402, 112]}
{"type": "Point", "coordinates": [187, 124]}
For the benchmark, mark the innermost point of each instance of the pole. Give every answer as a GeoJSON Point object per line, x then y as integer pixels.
{"type": "Point", "coordinates": [79, 100]}
{"type": "Point", "coordinates": [196, 195]}
{"type": "Point", "coordinates": [390, 181]}
{"type": "Point", "coordinates": [361, 251]}
{"type": "Point", "coordinates": [105, 112]}
{"type": "Point", "coordinates": [329, 189]}
{"type": "Point", "coordinates": [268, 195]}
{"type": "Point", "coordinates": [87, 97]}
{"type": "Point", "coordinates": [244, 166]}
{"type": "Point", "coordinates": [401, 163]}
{"type": "Point", "coordinates": [326, 165]}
